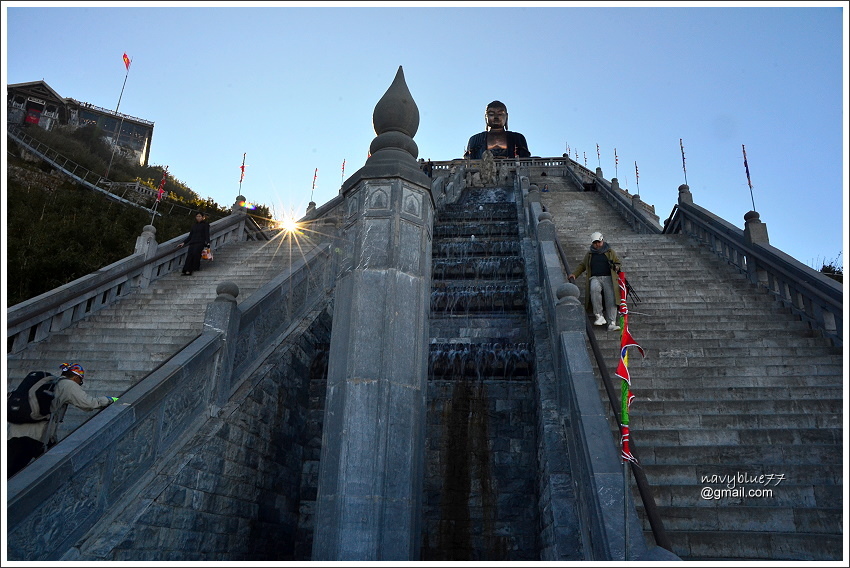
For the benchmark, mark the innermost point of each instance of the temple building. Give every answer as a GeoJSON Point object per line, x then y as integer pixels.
{"type": "Point", "coordinates": [37, 103]}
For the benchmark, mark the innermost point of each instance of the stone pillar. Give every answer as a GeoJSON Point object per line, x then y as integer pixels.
{"type": "Point", "coordinates": [754, 230]}
{"type": "Point", "coordinates": [685, 195]}
{"type": "Point", "coordinates": [371, 470]}
{"type": "Point", "coordinates": [223, 317]}
{"type": "Point", "coordinates": [146, 244]}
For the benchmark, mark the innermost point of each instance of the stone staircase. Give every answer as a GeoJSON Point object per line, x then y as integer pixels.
{"type": "Point", "coordinates": [733, 387]}
{"type": "Point", "coordinates": [121, 343]}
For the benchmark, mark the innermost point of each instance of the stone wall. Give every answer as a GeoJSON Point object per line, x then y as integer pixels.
{"type": "Point", "coordinates": [235, 491]}
{"type": "Point", "coordinates": [481, 469]}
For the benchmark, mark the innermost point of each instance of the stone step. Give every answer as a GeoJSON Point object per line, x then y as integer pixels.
{"type": "Point", "coordinates": [742, 456]}
{"type": "Point", "coordinates": [703, 474]}
{"type": "Point", "coordinates": [730, 436]}
{"type": "Point", "coordinates": [712, 545]}
{"type": "Point", "coordinates": [672, 409]}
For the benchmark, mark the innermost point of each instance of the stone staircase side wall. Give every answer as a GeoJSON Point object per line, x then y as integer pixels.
{"type": "Point", "coordinates": [64, 493]}
{"type": "Point", "coordinates": [597, 471]}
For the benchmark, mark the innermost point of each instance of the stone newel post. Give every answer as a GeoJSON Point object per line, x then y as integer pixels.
{"type": "Point", "coordinates": [371, 471]}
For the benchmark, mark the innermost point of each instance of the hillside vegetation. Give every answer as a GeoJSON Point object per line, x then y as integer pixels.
{"type": "Point", "coordinates": [58, 231]}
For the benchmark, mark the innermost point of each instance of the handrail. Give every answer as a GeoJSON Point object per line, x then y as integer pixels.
{"type": "Point", "coordinates": [644, 490]}
{"type": "Point", "coordinates": [816, 298]}
{"type": "Point", "coordinates": [41, 315]}
{"type": "Point", "coordinates": [626, 208]}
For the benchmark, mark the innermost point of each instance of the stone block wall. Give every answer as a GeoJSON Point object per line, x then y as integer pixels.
{"type": "Point", "coordinates": [481, 469]}
{"type": "Point", "coordinates": [234, 492]}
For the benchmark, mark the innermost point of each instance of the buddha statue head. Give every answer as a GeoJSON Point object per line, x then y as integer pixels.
{"type": "Point", "coordinates": [496, 116]}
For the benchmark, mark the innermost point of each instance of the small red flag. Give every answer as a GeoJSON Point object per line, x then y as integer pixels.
{"type": "Point", "coordinates": [242, 167]}
{"type": "Point", "coordinates": [161, 191]}
{"type": "Point", "coordinates": [126, 62]}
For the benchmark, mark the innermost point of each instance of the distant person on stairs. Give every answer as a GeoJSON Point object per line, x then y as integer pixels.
{"type": "Point", "coordinates": [198, 240]}
{"type": "Point", "coordinates": [602, 265]}
{"type": "Point", "coordinates": [31, 439]}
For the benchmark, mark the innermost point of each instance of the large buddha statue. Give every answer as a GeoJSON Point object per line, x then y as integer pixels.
{"type": "Point", "coordinates": [501, 142]}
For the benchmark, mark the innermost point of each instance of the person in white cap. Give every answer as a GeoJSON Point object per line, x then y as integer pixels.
{"type": "Point", "coordinates": [30, 440]}
{"type": "Point", "coordinates": [602, 265]}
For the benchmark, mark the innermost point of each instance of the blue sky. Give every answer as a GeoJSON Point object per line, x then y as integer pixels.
{"type": "Point", "coordinates": [294, 87]}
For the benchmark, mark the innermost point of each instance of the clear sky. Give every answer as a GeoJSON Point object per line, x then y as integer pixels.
{"type": "Point", "coordinates": [293, 86]}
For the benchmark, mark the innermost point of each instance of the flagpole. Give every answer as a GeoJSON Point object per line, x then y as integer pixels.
{"type": "Point", "coordinates": [315, 173]}
{"type": "Point", "coordinates": [747, 169]}
{"type": "Point", "coordinates": [683, 161]}
{"type": "Point", "coordinates": [121, 124]}
{"type": "Point", "coordinates": [242, 176]}
{"type": "Point", "coordinates": [159, 193]}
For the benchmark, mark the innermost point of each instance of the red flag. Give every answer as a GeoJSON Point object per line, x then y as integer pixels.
{"type": "Point", "coordinates": [626, 341]}
{"type": "Point", "coordinates": [315, 173]}
{"type": "Point", "coordinates": [242, 167]}
{"type": "Point", "coordinates": [126, 61]}
{"type": "Point", "coordinates": [161, 191]}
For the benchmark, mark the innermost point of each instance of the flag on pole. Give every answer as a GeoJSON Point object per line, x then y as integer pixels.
{"type": "Point", "coordinates": [315, 173]}
{"type": "Point", "coordinates": [126, 61]}
{"type": "Point", "coordinates": [585, 158]}
{"type": "Point", "coordinates": [342, 175]}
{"type": "Point", "coordinates": [242, 168]}
{"type": "Point", "coordinates": [161, 191]}
{"type": "Point", "coordinates": [598, 157]}
{"type": "Point", "coordinates": [626, 341]}
{"type": "Point", "coordinates": [746, 167]}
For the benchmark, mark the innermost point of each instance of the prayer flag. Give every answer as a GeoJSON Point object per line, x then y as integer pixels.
{"type": "Point", "coordinates": [126, 61]}
{"type": "Point", "coordinates": [747, 168]}
{"type": "Point", "coordinates": [242, 167]}
{"type": "Point", "coordinates": [161, 191]}
{"type": "Point", "coordinates": [626, 341]}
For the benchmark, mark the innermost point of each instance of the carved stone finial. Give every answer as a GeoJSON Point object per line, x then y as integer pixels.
{"type": "Point", "coordinates": [396, 118]}
{"type": "Point", "coordinates": [393, 151]}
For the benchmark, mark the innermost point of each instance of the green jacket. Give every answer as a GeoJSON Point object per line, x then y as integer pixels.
{"type": "Point", "coordinates": [584, 265]}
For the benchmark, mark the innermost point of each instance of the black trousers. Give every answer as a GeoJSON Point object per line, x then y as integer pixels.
{"type": "Point", "coordinates": [20, 451]}
{"type": "Point", "coordinates": [193, 257]}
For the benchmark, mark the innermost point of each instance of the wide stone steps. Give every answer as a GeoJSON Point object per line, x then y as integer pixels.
{"type": "Point", "coordinates": [731, 382]}
{"type": "Point", "coordinates": [121, 343]}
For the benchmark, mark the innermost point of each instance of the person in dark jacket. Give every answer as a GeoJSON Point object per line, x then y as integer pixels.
{"type": "Point", "coordinates": [198, 240]}
{"type": "Point", "coordinates": [600, 292]}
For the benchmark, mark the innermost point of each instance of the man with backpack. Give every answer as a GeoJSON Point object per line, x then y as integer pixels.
{"type": "Point", "coordinates": [34, 415]}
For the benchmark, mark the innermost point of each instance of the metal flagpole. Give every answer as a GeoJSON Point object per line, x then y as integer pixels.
{"type": "Point", "coordinates": [616, 163]}
{"type": "Point", "coordinates": [242, 176]}
{"type": "Point", "coordinates": [315, 173]}
{"type": "Point", "coordinates": [749, 183]}
{"type": "Point", "coordinates": [683, 161]}
{"type": "Point", "coordinates": [127, 62]}
{"type": "Point", "coordinates": [637, 180]}
{"type": "Point", "coordinates": [159, 193]}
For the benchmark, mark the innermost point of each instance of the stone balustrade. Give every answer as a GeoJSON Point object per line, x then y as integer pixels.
{"type": "Point", "coordinates": [35, 319]}
{"type": "Point", "coordinates": [815, 297]}
{"type": "Point", "coordinates": [69, 489]}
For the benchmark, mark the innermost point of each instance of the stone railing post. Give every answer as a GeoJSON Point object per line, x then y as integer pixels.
{"type": "Point", "coordinates": [240, 208]}
{"type": "Point", "coordinates": [223, 317]}
{"type": "Point", "coordinates": [755, 233]}
{"type": "Point", "coordinates": [146, 244]}
{"type": "Point", "coordinates": [371, 470]}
